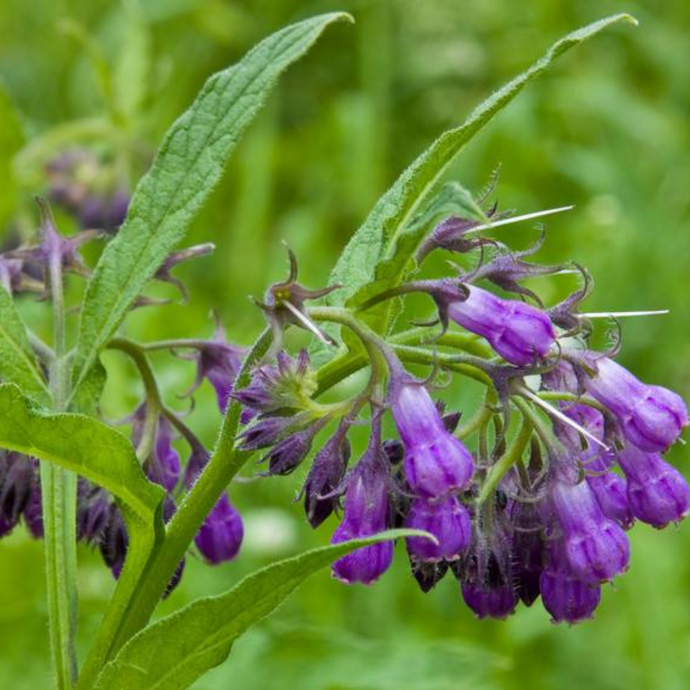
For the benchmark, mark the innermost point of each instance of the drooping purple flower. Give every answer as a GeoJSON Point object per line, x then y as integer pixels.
{"type": "Point", "coordinates": [219, 362]}
{"type": "Point", "coordinates": [447, 519]}
{"type": "Point", "coordinates": [490, 593]}
{"type": "Point", "coordinates": [596, 548]}
{"type": "Point", "coordinates": [366, 512]}
{"type": "Point", "coordinates": [435, 461]}
{"type": "Point", "coordinates": [651, 417]}
{"type": "Point", "coordinates": [657, 492]}
{"type": "Point", "coordinates": [325, 475]}
{"type": "Point", "coordinates": [565, 597]}
{"type": "Point", "coordinates": [486, 572]}
{"type": "Point", "coordinates": [220, 536]}
{"type": "Point", "coordinates": [518, 332]}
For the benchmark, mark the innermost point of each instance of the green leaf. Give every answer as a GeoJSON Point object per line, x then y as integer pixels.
{"type": "Point", "coordinates": [172, 653]}
{"type": "Point", "coordinates": [17, 362]}
{"type": "Point", "coordinates": [78, 443]}
{"type": "Point", "coordinates": [381, 250]}
{"type": "Point", "coordinates": [189, 164]}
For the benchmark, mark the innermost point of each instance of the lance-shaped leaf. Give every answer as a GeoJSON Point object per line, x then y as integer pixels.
{"type": "Point", "coordinates": [17, 362]}
{"type": "Point", "coordinates": [381, 250]}
{"type": "Point", "coordinates": [81, 444]}
{"type": "Point", "coordinates": [172, 653]}
{"type": "Point", "coordinates": [188, 166]}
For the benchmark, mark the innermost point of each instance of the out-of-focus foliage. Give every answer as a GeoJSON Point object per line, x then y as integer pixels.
{"type": "Point", "coordinates": [606, 130]}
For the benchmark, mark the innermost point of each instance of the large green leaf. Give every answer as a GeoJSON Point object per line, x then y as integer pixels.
{"type": "Point", "coordinates": [383, 247]}
{"type": "Point", "coordinates": [81, 444]}
{"type": "Point", "coordinates": [189, 164]}
{"type": "Point", "coordinates": [17, 362]}
{"type": "Point", "coordinates": [172, 653]}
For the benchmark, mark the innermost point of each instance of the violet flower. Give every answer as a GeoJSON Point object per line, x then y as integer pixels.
{"type": "Point", "coordinates": [220, 536]}
{"type": "Point", "coordinates": [651, 417]}
{"type": "Point", "coordinates": [366, 512]}
{"type": "Point", "coordinates": [657, 492]}
{"type": "Point", "coordinates": [447, 519]}
{"type": "Point", "coordinates": [518, 332]}
{"type": "Point", "coordinates": [435, 461]}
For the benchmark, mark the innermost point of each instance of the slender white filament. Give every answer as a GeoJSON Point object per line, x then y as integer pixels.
{"type": "Point", "coordinates": [518, 219]}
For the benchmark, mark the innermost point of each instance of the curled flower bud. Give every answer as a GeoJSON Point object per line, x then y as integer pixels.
{"type": "Point", "coordinates": [596, 547]}
{"type": "Point", "coordinates": [366, 512]}
{"type": "Point", "coordinates": [220, 536]}
{"type": "Point", "coordinates": [657, 492]}
{"type": "Point", "coordinates": [651, 417]}
{"type": "Point", "coordinates": [93, 508]}
{"type": "Point", "coordinates": [490, 594]}
{"type": "Point", "coordinates": [114, 541]}
{"type": "Point", "coordinates": [517, 331]}
{"type": "Point", "coordinates": [435, 462]}
{"type": "Point", "coordinates": [447, 519]}
{"type": "Point", "coordinates": [325, 475]}
{"type": "Point", "coordinates": [428, 574]}
{"type": "Point", "coordinates": [287, 454]}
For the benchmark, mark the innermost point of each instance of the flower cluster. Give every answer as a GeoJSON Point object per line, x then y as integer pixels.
{"type": "Point", "coordinates": [539, 511]}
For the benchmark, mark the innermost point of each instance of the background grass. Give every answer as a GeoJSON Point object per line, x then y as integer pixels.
{"type": "Point", "coordinates": [606, 130]}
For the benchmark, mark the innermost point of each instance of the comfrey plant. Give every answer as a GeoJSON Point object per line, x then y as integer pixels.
{"type": "Point", "coordinates": [529, 497]}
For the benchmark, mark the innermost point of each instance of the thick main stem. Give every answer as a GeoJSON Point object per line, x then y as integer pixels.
{"type": "Point", "coordinates": [59, 498]}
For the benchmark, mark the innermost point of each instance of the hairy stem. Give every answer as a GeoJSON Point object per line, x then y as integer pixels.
{"type": "Point", "coordinates": [59, 499]}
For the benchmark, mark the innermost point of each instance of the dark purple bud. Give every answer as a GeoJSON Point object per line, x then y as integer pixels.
{"type": "Point", "coordinates": [651, 417]}
{"type": "Point", "coordinates": [394, 450]}
{"type": "Point", "coordinates": [17, 480]}
{"type": "Point", "coordinates": [286, 456]}
{"type": "Point", "coordinates": [118, 205]}
{"type": "Point", "coordinates": [518, 332]}
{"type": "Point", "coordinates": [115, 541]}
{"type": "Point", "coordinates": [220, 536]}
{"type": "Point", "coordinates": [595, 547]}
{"type": "Point", "coordinates": [33, 511]}
{"type": "Point", "coordinates": [326, 474]}
{"type": "Point", "coordinates": [93, 510]}
{"type": "Point", "coordinates": [611, 494]}
{"type": "Point", "coordinates": [436, 462]}
{"type": "Point", "coordinates": [366, 512]}
{"type": "Point", "coordinates": [566, 598]}
{"type": "Point", "coordinates": [448, 520]}
{"type": "Point", "coordinates": [527, 550]}
{"type": "Point", "coordinates": [657, 492]}
{"type": "Point", "coordinates": [266, 432]}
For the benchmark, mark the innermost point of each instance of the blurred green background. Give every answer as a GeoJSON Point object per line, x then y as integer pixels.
{"type": "Point", "coordinates": [606, 130]}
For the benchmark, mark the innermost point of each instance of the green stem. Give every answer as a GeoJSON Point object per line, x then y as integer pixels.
{"type": "Point", "coordinates": [512, 455]}
{"type": "Point", "coordinates": [223, 465]}
{"type": "Point", "coordinates": [59, 501]}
